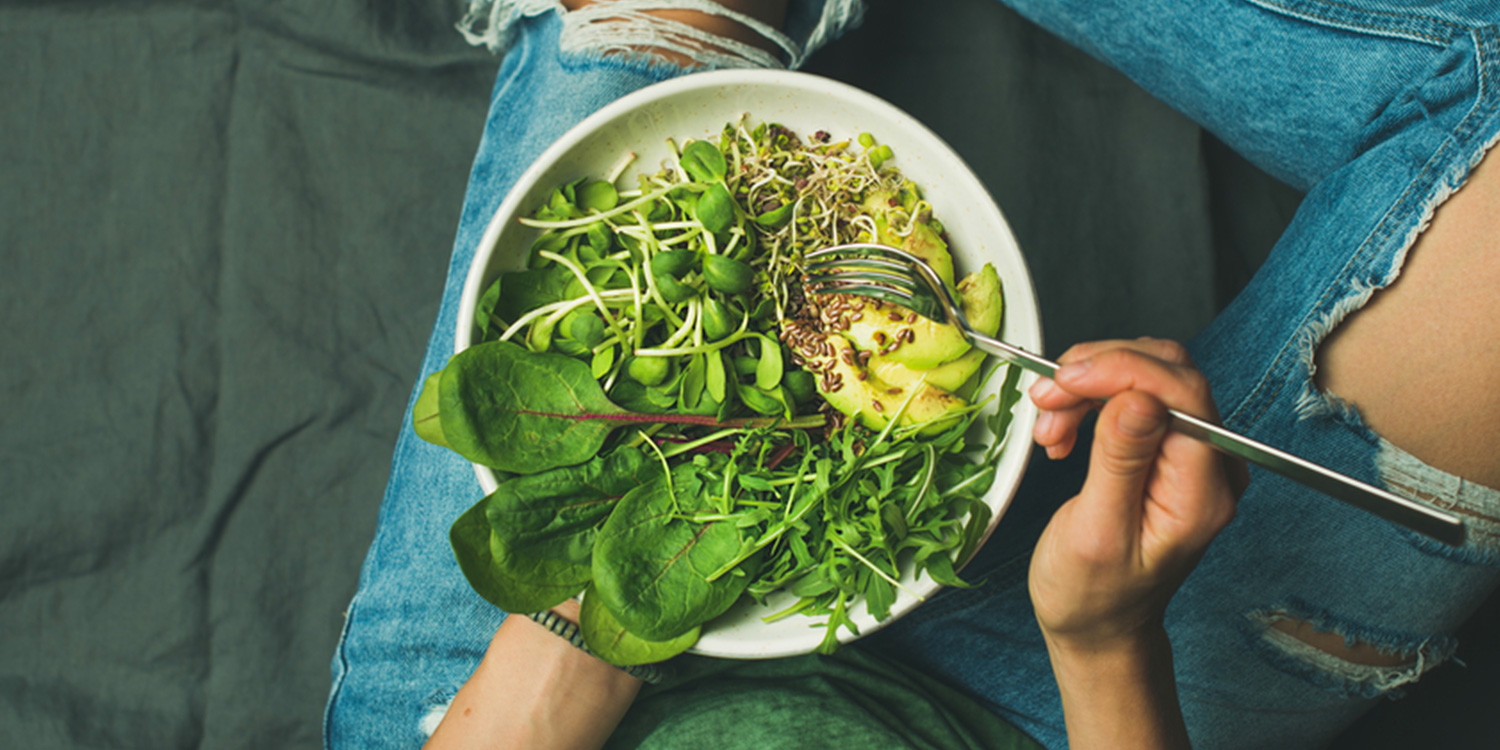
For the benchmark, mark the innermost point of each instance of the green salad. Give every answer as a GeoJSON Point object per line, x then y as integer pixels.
{"type": "Point", "coordinates": [677, 425]}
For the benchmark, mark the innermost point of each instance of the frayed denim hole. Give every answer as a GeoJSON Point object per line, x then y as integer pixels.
{"type": "Point", "coordinates": [1328, 671]}
{"type": "Point", "coordinates": [1476, 504]}
{"type": "Point", "coordinates": [628, 28]}
{"type": "Point", "coordinates": [434, 709]}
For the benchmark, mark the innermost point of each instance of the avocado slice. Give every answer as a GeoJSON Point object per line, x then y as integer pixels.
{"type": "Point", "coordinates": [930, 344]}
{"type": "Point", "coordinates": [871, 401]}
{"type": "Point", "coordinates": [923, 242]}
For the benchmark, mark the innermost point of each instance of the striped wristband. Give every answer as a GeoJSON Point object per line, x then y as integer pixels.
{"type": "Point", "coordinates": [568, 631]}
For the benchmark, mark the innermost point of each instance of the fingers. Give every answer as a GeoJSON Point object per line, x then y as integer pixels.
{"type": "Point", "coordinates": [1127, 441]}
{"type": "Point", "coordinates": [1097, 371]}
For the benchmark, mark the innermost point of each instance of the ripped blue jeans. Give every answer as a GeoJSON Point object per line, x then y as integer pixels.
{"type": "Point", "coordinates": [1378, 109]}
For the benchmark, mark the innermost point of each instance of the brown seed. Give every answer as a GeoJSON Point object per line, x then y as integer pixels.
{"type": "Point", "coordinates": [895, 316]}
{"type": "Point", "coordinates": [893, 391]}
{"type": "Point", "coordinates": [861, 375]}
{"type": "Point", "coordinates": [911, 318]}
{"type": "Point", "coordinates": [877, 405]}
{"type": "Point", "coordinates": [879, 338]}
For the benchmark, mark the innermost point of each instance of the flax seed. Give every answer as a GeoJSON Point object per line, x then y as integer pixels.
{"type": "Point", "coordinates": [877, 405]}
{"type": "Point", "coordinates": [893, 391]}
{"type": "Point", "coordinates": [895, 316]}
{"type": "Point", "coordinates": [861, 375]}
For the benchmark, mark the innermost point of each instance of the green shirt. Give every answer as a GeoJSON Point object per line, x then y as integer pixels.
{"type": "Point", "coordinates": [852, 699]}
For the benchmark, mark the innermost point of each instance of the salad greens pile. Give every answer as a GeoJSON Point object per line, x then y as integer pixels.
{"type": "Point", "coordinates": [676, 425]}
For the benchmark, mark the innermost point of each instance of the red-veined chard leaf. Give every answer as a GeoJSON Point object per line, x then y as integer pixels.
{"type": "Point", "coordinates": [504, 406]}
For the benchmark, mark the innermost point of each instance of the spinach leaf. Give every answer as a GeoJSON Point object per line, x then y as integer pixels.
{"type": "Point", "coordinates": [490, 572]}
{"type": "Point", "coordinates": [610, 641]}
{"type": "Point", "coordinates": [425, 417]}
{"type": "Point", "coordinates": [534, 547]}
{"type": "Point", "coordinates": [651, 563]}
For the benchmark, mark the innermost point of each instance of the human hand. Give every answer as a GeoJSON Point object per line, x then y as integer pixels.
{"type": "Point", "coordinates": [1111, 558]}
{"type": "Point", "coordinates": [534, 689]}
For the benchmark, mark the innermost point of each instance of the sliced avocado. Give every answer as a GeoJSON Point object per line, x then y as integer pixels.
{"type": "Point", "coordinates": [979, 295]}
{"type": "Point", "coordinates": [925, 243]}
{"type": "Point", "coordinates": [931, 343]}
{"type": "Point", "coordinates": [872, 401]}
{"type": "Point", "coordinates": [950, 375]}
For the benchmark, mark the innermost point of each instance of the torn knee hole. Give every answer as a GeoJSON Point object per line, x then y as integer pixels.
{"type": "Point", "coordinates": [1349, 658]}
{"type": "Point", "coordinates": [690, 33]}
{"type": "Point", "coordinates": [1346, 649]}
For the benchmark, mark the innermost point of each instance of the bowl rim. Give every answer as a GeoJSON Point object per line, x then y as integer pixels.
{"type": "Point", "coordinates": [1020, 297]}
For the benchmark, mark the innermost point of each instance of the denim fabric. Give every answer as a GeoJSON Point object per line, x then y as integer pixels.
{"type": "Point", "coordinates": [1377, 109]}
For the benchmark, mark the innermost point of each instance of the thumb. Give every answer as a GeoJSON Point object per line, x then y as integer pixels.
{"type": "Point", "coordinates": [1127, 440]}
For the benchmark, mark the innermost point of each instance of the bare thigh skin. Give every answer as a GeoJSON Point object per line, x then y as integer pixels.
{"type": "Point", "coordinates": [1421, 361]}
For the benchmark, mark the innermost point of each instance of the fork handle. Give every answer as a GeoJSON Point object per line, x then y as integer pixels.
{"type": "Point", "coordinates": [1423, 519]}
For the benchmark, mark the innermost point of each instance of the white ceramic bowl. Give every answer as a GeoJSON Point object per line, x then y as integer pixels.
{"type": "Point", "coordinates": [698, 106]}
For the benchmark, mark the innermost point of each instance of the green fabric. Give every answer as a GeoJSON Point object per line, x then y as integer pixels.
{"type": "Point", "coordinates": [852, 699]}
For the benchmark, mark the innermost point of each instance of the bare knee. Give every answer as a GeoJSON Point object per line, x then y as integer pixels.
{"type": "Point", "coordinates": [1420, 361]}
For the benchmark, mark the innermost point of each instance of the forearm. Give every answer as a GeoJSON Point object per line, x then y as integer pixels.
{"type": "Point", "coordinates": [1120, 696]}
{"type": "Point", "coordinates": [536, 690]}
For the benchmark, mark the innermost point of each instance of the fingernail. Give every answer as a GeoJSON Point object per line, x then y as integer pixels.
{"type": "Point", "coordinates": [1041, 388]}
{"type": "Point", "coordinates": [1044, 423]}
{"type": "Point", "coordinates": [1073, 370]}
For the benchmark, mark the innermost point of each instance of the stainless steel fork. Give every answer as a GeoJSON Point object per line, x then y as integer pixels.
{"type": "Point", "coordinates": [892, 275]}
